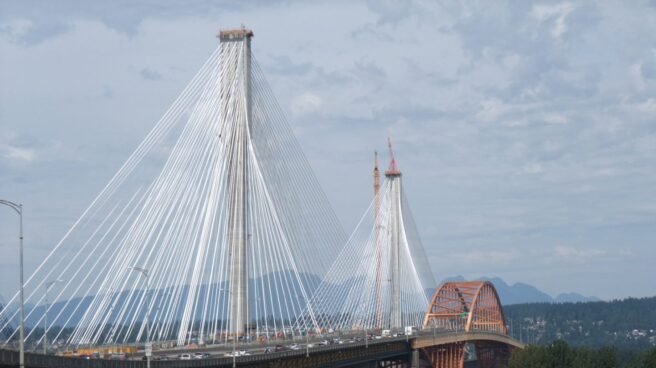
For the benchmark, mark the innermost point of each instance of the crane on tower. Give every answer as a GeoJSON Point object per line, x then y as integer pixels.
{"type": "Point", "coordinates": [393, 169]}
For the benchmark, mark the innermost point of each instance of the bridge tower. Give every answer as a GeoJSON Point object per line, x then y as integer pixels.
{"type": "Point", "coordinates": [237, 234]}
{"type": "Point", "coordinates": [219, 205]}
{"type": "Point", "coordinates": [377, 226]}
{"type": "Point", "coordinates": [394, 176]}
{"type": "Point", "coordinates": [380, 277]}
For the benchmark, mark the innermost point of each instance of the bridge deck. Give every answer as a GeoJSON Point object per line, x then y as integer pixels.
{"type": "Point", "coordinates": [425, 340]}
{"type": "Point", "coordinates": [323, 356]}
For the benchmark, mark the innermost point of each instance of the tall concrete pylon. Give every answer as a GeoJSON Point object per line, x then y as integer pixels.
{"type": "Point", "coordinates": [238, 189]}
{"type": "Point", "coordinates": [394, 176]}
{"type": "Point", "coordinates": [380, 278]}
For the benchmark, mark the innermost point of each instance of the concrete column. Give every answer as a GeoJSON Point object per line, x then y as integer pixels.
{"type": "Point", "coordinates": [395, 203]}
{"type": "Point", "coordinates": [238, 191]}
{"type": "Point", "coordinates": [414, 358]}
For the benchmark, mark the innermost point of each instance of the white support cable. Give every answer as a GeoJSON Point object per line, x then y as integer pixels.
{"type": "Point", "coordinates": [177, 227]}
{"type": "Point", "coordinates": [355, 295]}
{"type": "Point", "coordinates": [135, 157]}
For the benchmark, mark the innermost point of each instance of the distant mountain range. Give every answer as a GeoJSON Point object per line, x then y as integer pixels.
{"type": "Point", "coordinates": [73, 309]}
{"type": "Point", "coordinates": [517, 293]}
{"type": "Point", "coordinates": [520, 292]}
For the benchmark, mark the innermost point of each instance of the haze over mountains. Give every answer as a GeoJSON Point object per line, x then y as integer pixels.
{"type": "Point", "coordinates": [520, 292]}
{"type": "Point", "coordinates": [516, 293]}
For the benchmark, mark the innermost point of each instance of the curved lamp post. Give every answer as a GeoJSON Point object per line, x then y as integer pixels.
{"type": "Point", "coordinates": [21, 343]}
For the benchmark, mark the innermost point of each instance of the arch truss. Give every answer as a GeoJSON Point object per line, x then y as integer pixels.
{"type": "Point", "coordinates": [467, 306]}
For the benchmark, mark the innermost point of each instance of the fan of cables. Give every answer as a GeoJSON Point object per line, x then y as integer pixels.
{"type": "Point", "coordinates": [381, 278]}
{"type": "Point", "coordinates": [167, 213]}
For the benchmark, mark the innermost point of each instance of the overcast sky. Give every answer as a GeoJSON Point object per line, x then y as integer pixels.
{"type": "Point", "coordinates": [526, 130]}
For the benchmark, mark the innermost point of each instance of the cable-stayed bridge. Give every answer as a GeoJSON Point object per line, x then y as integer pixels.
{"type": "Point", "coordinates": [380, 277]}
{"type": "Point", "coordinates": [216, 230]}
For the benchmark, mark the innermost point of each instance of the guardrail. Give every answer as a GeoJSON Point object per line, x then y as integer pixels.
{"type": "Point", "coordinates": [9, 358]}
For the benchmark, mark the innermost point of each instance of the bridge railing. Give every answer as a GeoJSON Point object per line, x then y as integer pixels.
{"type": "Point", "coordinates": [10, 357]}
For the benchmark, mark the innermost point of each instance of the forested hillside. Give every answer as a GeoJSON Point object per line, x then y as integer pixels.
{"type": "Point", "coordinates": [628, 323]}
{"type": "Point", "coordinates": [560, 355]}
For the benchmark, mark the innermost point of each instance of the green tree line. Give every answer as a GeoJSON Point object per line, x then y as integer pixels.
{"type": "Point", "coordinates": [561, 355]}
{"type": "Point", "coordinates": [626, 324]}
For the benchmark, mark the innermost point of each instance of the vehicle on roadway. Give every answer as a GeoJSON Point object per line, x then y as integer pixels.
{"type": "Point", "coordinates": [184, 356]}
{"type": "Point", "coordinates": [237, 353]}
{"type": "Point", "coordinates": [280, 348]}
{"type": "Point", "coordinates": [118, 356]}
{"type": "Point", "coordinates": [411, 330]}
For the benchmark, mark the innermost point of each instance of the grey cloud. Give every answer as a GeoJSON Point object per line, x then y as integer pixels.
{"type": "Point", "coordinates": [369, 70]}
{"type": "Point", "coordinates": [371, 31]}
{"type": "Point", "coordinates": [391, 11]}
{"type": "Point", "coordinates": [34, 33]}
{"type": "Point", "coordinates": [434, 77]}
{"type": "Point", "coordinates": [565, 154]}
{"type": "Point", "coordinates": [316, 76]}
{"type": "Point", "coordinates": [150, 74]}
{"type": "Point", "coordinates": [283, 65]}
{"type": "Point", "coordinates": [648, 69]}
{"type": "Point", "coordinates": [107, 91]}
{"type": "Point", "coordinates": [54, 17]}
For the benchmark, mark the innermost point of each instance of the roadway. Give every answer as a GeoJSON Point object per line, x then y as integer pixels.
{"type": "Point", "coordinates": [334, 355]}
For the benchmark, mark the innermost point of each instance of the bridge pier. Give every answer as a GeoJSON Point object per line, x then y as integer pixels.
{"type": "Point", "coordinates": [446, 356]}
{"type": "Point", "coordinates": [414, 358]}
{"type": "Point", "coordinates": [492, 355]}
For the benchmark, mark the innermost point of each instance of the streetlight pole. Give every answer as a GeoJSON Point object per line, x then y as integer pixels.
{"type": "Point", "coordinates": [45, 317]}
{"type": "Point", "coordinates": [148, 347]}
{"type": "Point", "coordinates": [21, 343]}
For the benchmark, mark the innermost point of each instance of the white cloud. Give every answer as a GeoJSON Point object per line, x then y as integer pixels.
{"type": "Point", "coordinates": [306, 103]}
{"type": "Point", "coordinates": [16, 28]}
{"type": "Point", "coordinates": [572, 253]}
{"type": "Point", "coordinates": [635, 73]}
{"type": "Point", "coordinates": [18, 154]}
{"type": "Point", "coordinates": [556, 119]}
{"type": "Point", "coordinates": [533, 168]}
{"type": "Point", "coordinates": [484, 256]}
{"type": "Point", "coordinates": [557, 11]}
{"type": "Point", "coordinates": [580, 255]}
{"type": "Point", "coordinates": [491, 109]}
{"type": "Point", "coordinates": [648, 106]}
{"type": "Point", "coordinates": [475, 184]}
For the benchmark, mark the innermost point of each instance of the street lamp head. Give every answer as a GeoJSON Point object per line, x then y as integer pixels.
{"type": "Point", "coordinates": [15, 206]}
